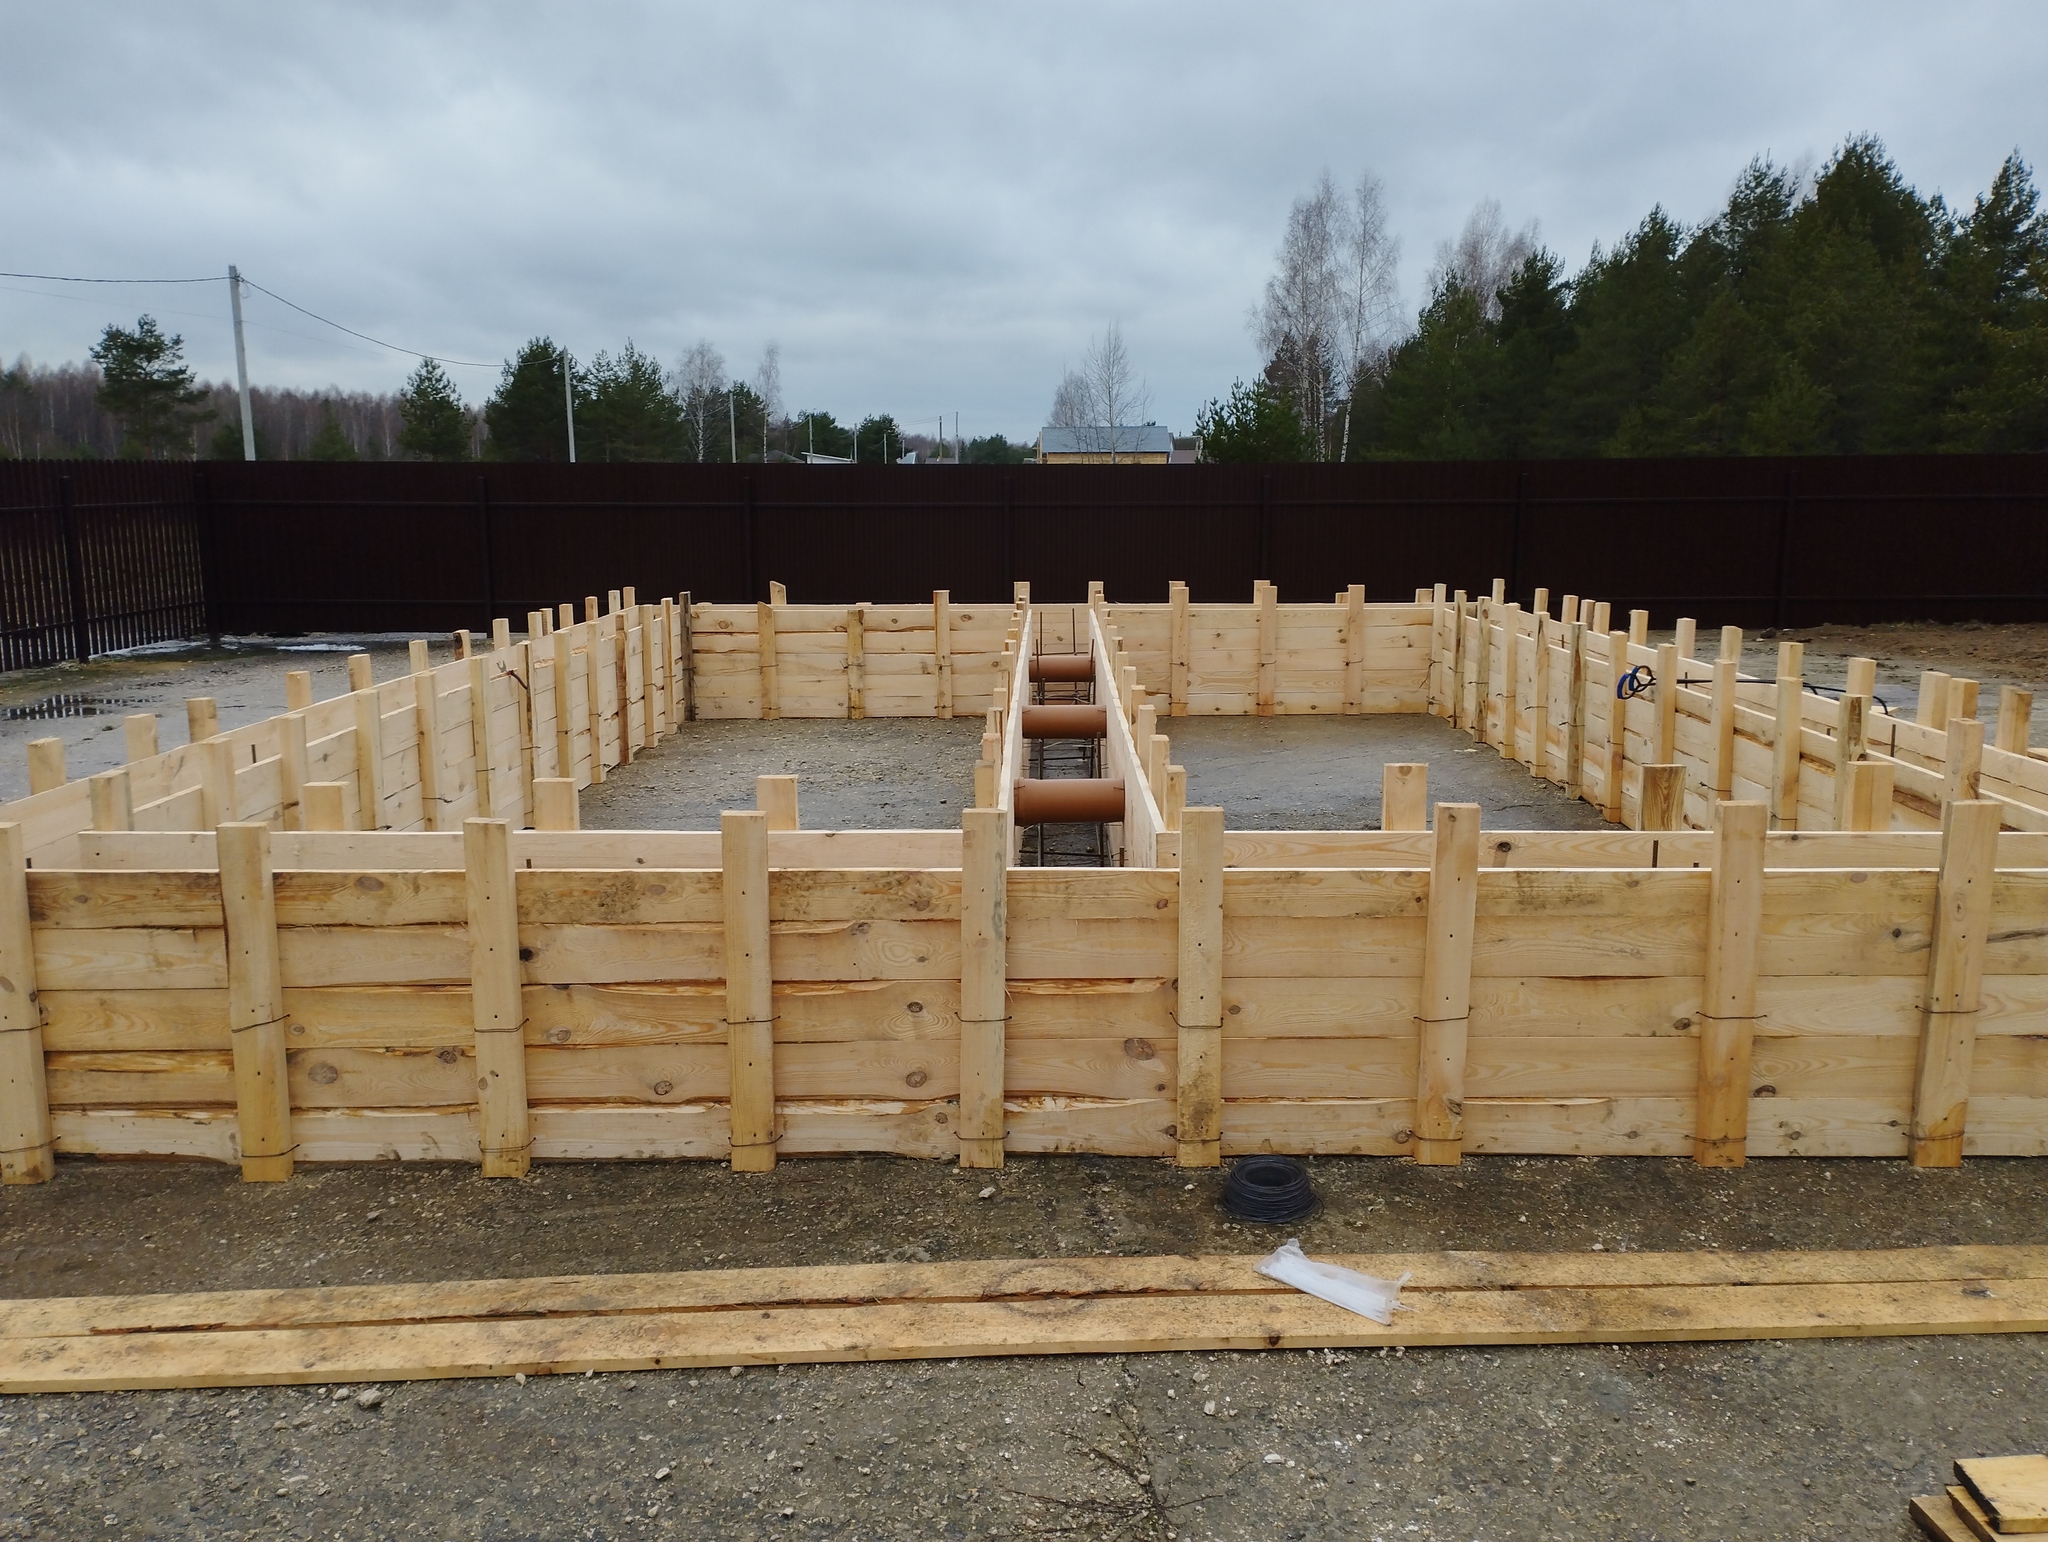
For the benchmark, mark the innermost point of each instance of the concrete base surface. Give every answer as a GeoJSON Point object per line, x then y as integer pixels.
{"type": "Point", "coordinates": [1814, 1439]}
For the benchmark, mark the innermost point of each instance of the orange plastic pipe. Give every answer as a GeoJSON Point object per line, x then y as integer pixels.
{"type": "Point", "coordinates": [1070, 800]}
{"type": "Point", "coordinates": [1077, 721]}
{"type": "Point", "coordinates": [1063, 666]}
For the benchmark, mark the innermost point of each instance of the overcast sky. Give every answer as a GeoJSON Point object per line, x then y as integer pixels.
{"type": "Point", "coordinates": [930, 207]}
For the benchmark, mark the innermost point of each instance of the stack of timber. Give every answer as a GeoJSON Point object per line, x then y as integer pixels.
{"type": "Point", "coordinates": [1543, 691]}
{"type": "Point", "coordinates": [1993, 1496]}
{"type": "Point", "coordinates": [1002, 1307]}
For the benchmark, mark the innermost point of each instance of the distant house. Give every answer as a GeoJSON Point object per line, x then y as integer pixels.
{"type": "Point", "coordinates": [1137, 444]}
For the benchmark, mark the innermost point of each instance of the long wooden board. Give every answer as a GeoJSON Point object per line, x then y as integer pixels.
{"type": "Point", "coordinates": [1000, 1307]}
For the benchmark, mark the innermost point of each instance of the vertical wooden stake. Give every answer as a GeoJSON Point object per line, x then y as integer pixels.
{"type": "Point", "coordinates": [1176, 796]}
{"type": "Point", "coordinates": [654, 627]}
{"type": "Point", "coordinates": [630, 649]}
{"type": "Point", "coordinates": [565, 616]}
{"type": "Point", "coordinates": [426, 716]}
{"type": "Point", "coordinates": [1177, 649]}
{"type": "Point", "coordinates": [1602, 619]}
{"type": "Point", "coordinates": [45, 765]}
{"type": "Point", "coordinates": [1156, 761]}
{"type": "Point", "coordinates": [359, 672]}
{"type": "Point", "coordinates": [1354, 649]}
{"type": "Point", "coordinates": [1198, 1115]}
{"type": "Point", "coordinates": [1685, 638]}
{"type": "Point", "coordinates": [764, 638]}
{"type": "Point", "coordinates": [1539, 697]}
{"type": "Point", "coordinates": [1869, 802]}
{"type": "Point", "coordinates": [369, 758]}
{"type": "Point", "coordinates": [263, 1111]}
{"type": "Point", "coordinates": [1965, 762]}
{"type": "Point", "coordinates": [555, 806]}
{"type": "Point", "coordinates": [1860, 678]}
{"type": "Point", "coordinates": [1785, 757]}
{"type": "Point", "coordinates": [1446, 987]}
{"type": "Point", "coordinates": [1849, 748]}
{"type": "Point", "coordinates": [1955, 977]}
{"type": "Point", "coordinates": [1482, 675]}
{"type": "Point", "coordinates": [984, 992]}
{"type": "Point", "coordinates": [2015, 709]}
{"type": "Point", "coordinates": [321, 806]}
{"type": "Point", "coordinates": [1639, 628]}
{"type": "Point", "coordinates": [497, 1004]}
{"type": "Point", "coordinates": [26, 1153]}
{"type": "Point", "coordinates": [942, 647]}
{"type": "Point", "coordinates": [1723, 726]}
{"type": "Point", "coordinates": [596, 668]}
{"type": "Point", "coordinates": [217, 804]}
{"type": "Point", "coordinates": [113, 803]}
{"type": "Point", "coordinates": [1616, 754]}
{"type": "Point", "coordinates": [1266, 598]}
{"type": "Point", "coordinates": [1454, 678]}
{"type": "Point", "coordinates": [1663, 797]}
{"type": "Point", "coordinates": [501, 634]}
{"type": "Point", "coordinates": [291, 770]}
{"type": "Point", "coordinates": [139, 731]}
{"type": "Point", "coordinates": [749, 991]}
{"type": "Point", "coordinates": [298, 690]}
{"type": "Point", "coordinates": [1574, 779]}
{"type": "Point", "coordinates": [1404, 795]}
{"type": "Point", "coordinates": [418, 660]}
{"type": "Point", "coordinates": [856, 662]}
{"type": "Point", "coordinates": [1931, 711]}
{"type": "Point", "coordinates": [568, 722]}
{"type": "Point", "coordinates": [487, 789]}
{"type": "Point", "coordinates": [1511, 682]}
{"type": "Point", "coordinates": [1665, 750]}
{"type": "Point", "coordinates": [1727, 1015]}
{"type": "Point", "coordinates": [1962, 698]}
{"type": "Point", "coordinates": [202, 719]}
{"type": "Point", "coordinates": [775, 796]}
{"type": "Point", "coordinates": [1731, 647]}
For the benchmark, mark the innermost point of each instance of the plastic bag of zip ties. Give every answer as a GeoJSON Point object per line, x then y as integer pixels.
{"type": "Point", "coordinates": [1355, 1292]}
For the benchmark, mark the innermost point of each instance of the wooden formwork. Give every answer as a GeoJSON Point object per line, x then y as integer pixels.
{"type": "Point", "coordinates": [468, 991]}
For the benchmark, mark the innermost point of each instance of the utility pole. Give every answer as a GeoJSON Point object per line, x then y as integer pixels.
{"type": "Point", "coordinates": [569, 402]}
{"type": "Point", "coordinates": [732, 419]}
{"type": "Point", "coordinates": [242, 365]}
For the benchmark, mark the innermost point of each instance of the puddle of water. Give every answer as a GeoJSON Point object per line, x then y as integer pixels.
{"type": "Point", "coordinates": [70, 704]}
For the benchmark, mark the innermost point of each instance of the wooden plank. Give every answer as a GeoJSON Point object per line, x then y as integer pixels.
{"type": "Point", "coordinates": [496, 998]}
{"type": "Point", "coordinates": [493, 1328]}
{"type": "Point", "coordinates": [1662, 802]}
{"type": "Point", "coordinates": [2012, 1489]}
{"type": "Point", "coordinates": [1727, 1015]}
{"type": "Point", "coordinates": [1955, 973]}
{"type": "Point", "coordinates": [1447, 986]}
{"type": "Point", "coordinates": [765, 660]}
{"type": "Point", "coordinates": [750, 1004]}
{"type": "Point", "coordinates": [984, 1010]}
{"type": "Point", "coordinates": [26, 1152]}
{"type": "Point", "coordinates": [263, 1114]}
{"type": "Point", "coordinates": [1199, 1035]}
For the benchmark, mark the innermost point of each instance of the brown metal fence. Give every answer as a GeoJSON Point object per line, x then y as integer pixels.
{"type": "Point", "coordinates": [307, 546]}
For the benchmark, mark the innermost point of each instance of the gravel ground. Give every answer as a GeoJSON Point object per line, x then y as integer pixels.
{"type": "Point", "coordinates": [1816, 1439]}
{"type": "Point", "coordinates": [1783, 1440]}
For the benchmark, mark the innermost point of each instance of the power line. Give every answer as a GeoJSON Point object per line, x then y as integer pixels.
{"type": "Point", "coordinates": [352, 332]}
{"type": "Point", "coordinates": [61, 278]}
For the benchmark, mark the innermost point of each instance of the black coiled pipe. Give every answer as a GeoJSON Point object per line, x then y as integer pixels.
{"type": "Point", "coordinates": [1269, 1188]}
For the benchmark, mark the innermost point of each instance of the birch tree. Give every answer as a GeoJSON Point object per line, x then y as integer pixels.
{"type": "Point", "coordinates": [1485, 255]}
{"type": "Point", "coordinates": [699, 385]}
{"type": "Point", "coordinates": [1116, 396]}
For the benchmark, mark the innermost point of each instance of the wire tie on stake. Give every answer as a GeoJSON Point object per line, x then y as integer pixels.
{"type": "Point", "coordinates": [266, 1023]}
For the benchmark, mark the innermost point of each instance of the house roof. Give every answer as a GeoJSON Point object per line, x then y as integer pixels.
{"type": "Point", "coordinates": [1131, 439]}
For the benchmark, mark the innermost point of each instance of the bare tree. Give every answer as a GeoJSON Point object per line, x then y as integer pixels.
{"type": "Point", "coordinates": [1070, 408]}
{"type": "Point", "coordinates": [1116, 396]}
{"type": "Point", "coordinates": [1485, 255]}
{"type": "Point", "coordinates": [1369, 293]}
{"type": "Point", "coordinates": [699, 386]}
{"type": "Point", "coordinates": [768, 386]}
{"type": "Point", "coordinates": [1298, 321]}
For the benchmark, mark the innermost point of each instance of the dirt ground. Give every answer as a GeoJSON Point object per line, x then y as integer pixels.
{"type": "Point", "coordinates": [1817, 1439]}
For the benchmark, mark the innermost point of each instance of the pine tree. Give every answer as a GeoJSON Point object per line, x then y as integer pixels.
{"type": "Point", "coordinates": [1255, 423]}
{"type": "Point", "coordinates": [148, 389]}
{"type": "Point", "coordinates": [527, 415]}
{"type": "Point", "coordinates": [331, 443]}
{"type": "Point", "coordinates": [436, 424]}
{"type": "Point", "coordinates": [631, 415]}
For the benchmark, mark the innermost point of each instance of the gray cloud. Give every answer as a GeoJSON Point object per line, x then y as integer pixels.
{"type": "Point", "coordinates": [930, 207]}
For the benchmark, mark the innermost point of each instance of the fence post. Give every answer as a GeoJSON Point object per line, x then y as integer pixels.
{"type": "Point", "coordinates": [74, 573]}
{"type": "Point", "coordinates": [1446, 987]}
{"type": "Point", "coordinates": [984, 985]}
{"type": "Point", "coordinates": [25, 1140]}
{"type": "Point", "coordinates": [263, 1109]}
{"type": "Point", "coordinates": [1727, 1016]}
{"type": "Point", "coordinates": [749, 990]}
{"type": "Point", "coordinates": [1955, 976]}
{"type": "Point", "coordinates": [498, 1012]}
{"type": "Point", "coordinates": [1198, 1112]}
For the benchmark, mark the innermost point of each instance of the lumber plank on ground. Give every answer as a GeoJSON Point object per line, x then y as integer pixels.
{"type": "Point", "coordinates": [1001, 1307]}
